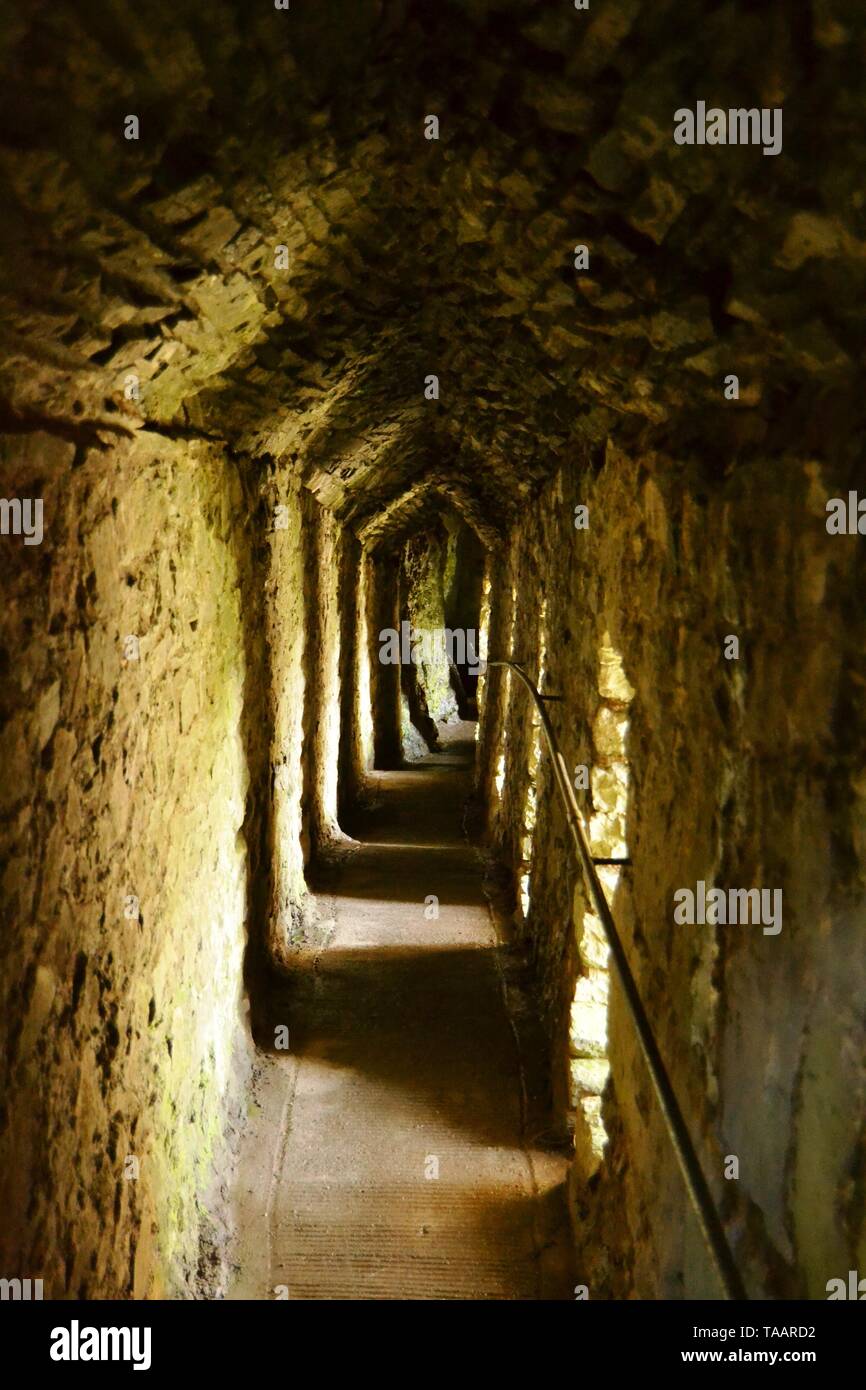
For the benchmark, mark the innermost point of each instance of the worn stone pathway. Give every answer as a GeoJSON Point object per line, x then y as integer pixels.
{"type": "Point", "coordinates": [392, 1153]}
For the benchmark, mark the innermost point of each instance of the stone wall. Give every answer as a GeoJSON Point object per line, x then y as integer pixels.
{"type": "Point", "coordinates": [132, 834]}
{"type": "Point", "coordinates": [323, 633]}
{"type": "Point", "coordinates": [355, 740]}
{"type": "Point", "coordinates": [742, 773]}
{"type": "Point", "coordinates": [289, 523]}
{"type": "Point", "coordinates": [382, 612]}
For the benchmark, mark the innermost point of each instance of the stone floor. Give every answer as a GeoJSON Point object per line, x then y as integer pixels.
{"type": "Point", "coordinates": [396, 1150]}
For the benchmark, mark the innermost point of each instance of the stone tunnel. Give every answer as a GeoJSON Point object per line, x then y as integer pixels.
{"type": "Point", "coordinates": [535, 330]}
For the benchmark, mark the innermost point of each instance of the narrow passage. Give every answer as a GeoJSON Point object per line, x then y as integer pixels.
{"type": "Point", "coordinates": [398, 1149]}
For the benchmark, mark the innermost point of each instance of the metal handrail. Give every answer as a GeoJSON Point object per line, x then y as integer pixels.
{"type": "Point", "coordinates": [696, 1184]}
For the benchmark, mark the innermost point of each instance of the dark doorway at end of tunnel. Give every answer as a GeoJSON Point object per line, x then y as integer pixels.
{"type": "Point", "coordinates": [441, 577]}
{"type": "Point", "coordinates": [465, 578]}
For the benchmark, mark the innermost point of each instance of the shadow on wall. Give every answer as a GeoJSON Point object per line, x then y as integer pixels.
{"type": "Point", "coordinates": [256, 717]}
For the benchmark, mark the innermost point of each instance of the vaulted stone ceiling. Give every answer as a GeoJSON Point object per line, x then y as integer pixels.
{"type": "Point", "coordinates": [419, 505]}
{"type": "Point", "coordinates": [305, 128]}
